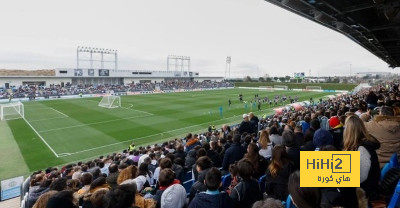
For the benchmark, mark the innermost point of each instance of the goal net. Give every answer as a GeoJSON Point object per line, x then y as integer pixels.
{"type": "Point", "coordinates": [266, 88]}
{"type": "Point", "coordinates": [313, 88]}
{"type": "Point", "coordinates": [110, 101]}
{"type": "Point", "coordinates": [281, 87]}
{"type": "Point", "coordinates": [11, 111]}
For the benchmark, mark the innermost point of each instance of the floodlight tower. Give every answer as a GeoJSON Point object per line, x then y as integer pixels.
{"type": "Point", "coordinates": [90, 50]}
{"type": "Point", "coordinates": [181, 63]}
{"type": "Point", "coordinates": [228, 66]}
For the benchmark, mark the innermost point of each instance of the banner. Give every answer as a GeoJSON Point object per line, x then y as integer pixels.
{"type": "Point", "coordinates": [10, 188]}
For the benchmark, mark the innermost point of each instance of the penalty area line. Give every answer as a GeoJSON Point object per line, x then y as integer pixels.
{"type": "Point", "coordinates": [44, 141]}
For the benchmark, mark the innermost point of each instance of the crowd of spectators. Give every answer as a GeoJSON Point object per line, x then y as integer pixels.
{"type": "Point", "coordinates": [153, 176]}
{"type": "Point", "coordinates": [56, 90]}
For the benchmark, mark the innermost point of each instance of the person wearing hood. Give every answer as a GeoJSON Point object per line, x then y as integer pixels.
{"type": "Point", "coordinates": [385, 127]}
{"type": "Point", "coordinates": [356, 138]}
{"type": "Point", "coordinates": [212, 198]}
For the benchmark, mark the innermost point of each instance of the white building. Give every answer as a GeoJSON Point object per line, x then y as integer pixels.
{"type": "Point", "coordinates": [96, 77]}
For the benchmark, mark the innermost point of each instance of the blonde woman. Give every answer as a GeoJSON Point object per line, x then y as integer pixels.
{"type": "Point", "coordinates": [265, 145]}
{"type": "Point", "coordinates": [356, 138]}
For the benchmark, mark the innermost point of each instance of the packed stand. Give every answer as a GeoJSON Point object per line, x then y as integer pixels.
{"type": "Point", "coordinates": [260, 157]}
{"type": "Point", "coordinates": [32, 91]}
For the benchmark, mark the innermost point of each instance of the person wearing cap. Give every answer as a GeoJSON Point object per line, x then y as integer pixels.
{"type": "Point", "coordinates": [246, 126]}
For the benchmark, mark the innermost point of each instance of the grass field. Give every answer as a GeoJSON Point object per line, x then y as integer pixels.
{"type": "Point", "coordinates": [324, 86]}
{"type": "Point", "coordinates": [57, 132]}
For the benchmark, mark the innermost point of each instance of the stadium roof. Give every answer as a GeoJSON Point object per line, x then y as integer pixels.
{"type": "Point", "coordinates": [373, 24]}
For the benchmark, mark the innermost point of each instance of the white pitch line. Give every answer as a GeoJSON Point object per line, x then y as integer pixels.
{"type": "Point", "coordinates": [88, 124]}
{"type": "Point", "coordinates": [60, 112]}
{"type": "Point", "coordinates": [68, 153]}
{"type": "Point", "coordinates": [45, 119]}
{"type": "Point", "coordinates": [44, 141]}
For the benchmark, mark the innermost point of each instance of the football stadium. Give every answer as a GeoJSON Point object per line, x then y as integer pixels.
{"type": "Point", "coordinates": [90, 128]}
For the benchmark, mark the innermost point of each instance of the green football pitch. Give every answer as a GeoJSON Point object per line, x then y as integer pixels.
{"type": "Point", "coordinates": [57, 132]}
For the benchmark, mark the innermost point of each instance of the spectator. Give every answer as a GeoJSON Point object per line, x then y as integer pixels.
{"type": "Point", "coordinates": [62, 199]}
{"type": "Point", "coordinates": [292, 149]}
{"type": "Point", "coordinates": [127, 175]}
{"type": "Point", "coordinates": [234, 153]}
{"type": "Point", "coordinates": [213, 155]}
{"type": "Point", "coordinates": [212, 198]}
{"type": "Point", "coordinates": [234, 172]}
{"type": "Point", "coordinates": [299, 136]}
{"type": "Point", "coordinates": [180, 153]}
{"type": "Point", "coordinates": [166, 179]}
{"type": "Point", "coordinates": [308, 139]}
{"type": "Point", "coordinates": [305, 124]}
{"type": "Point", "coordinates": [86, 180]}
{"type": "Point", "coordinates": [274, 136]}
{"type": "Point", "coordinates": [97, 198]}
{"type": "Point", "coordinates": [112, 176]}
{"type": "Point", "coordinates": [43, 199]}
{"type": "Point", "coordinates": [385, 127]}
{"type": "Point", "coordinates": [278, 173]}
{"type": "Point", "coordinates": [191, 142]}
{"type": "Point", "coordinates": [190, 159]}
{"type": "Point", "coordinates": [303, 197]}
{"type": "Point", "coordinates": [248, 190]}
{"type": "Point", "coordinates": [120, 197]}
{"type": "Point", "coordinates": [246, 126]}
{"type": "Point", "coordinates": [337, 130]}
{"type": "Point", "coordinates": [254, 122]}
{"type": "Point", "coordinates": [268, 203]}
{"type": "Point", "coordinates": [203, 165]}
{"type": "Point", "coordinates": [36, 193]}
{"type": "Point", "coordinates": [143, 178]}
{"type": "Point", "coordinates": [259, 162]}
{"type": "Point", "coordinates": [173, 196]}
{"type": "Point", "coordinates": [265, 145]}
{"type": "Point", "coordinates": [321, 138]}
{"type": "Point", "coordinates": [356, 138]}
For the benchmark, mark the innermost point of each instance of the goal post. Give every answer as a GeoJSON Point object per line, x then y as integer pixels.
{"type": "Point", "coordinates": [266, 88]}
{"type": "Point", "coordinates": [110, 101]}
{"type": "Point", "coordinates": [281, 87]}
{"type": "Point", "coordinates": [10, 111]}
{"type": "Point", "coordinates": [313, 88]}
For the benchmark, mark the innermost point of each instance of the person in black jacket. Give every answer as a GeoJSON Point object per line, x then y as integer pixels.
{"type": "Point", "coordinates": [248, 190]}
{"type": "Point", "coordinates": [234, 153]}
{"type": "Point", "coordinates": [254, 122]}
{"type": "Point", "coordinates": [213, 155]}
{"type": "Point", "coordinates": [203, 165]}
{"type": "Point", "coordinates": [246, 126]}
{"type": "Point", "coordinates": [212, 198]}
{"type": "Point", "coordinates": [278, 173]}
{"type": "Point", "coordinates": [292, 149]}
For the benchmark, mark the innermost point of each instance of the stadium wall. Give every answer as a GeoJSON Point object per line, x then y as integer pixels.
{"type": "Point", "coordinates": [18, 81]}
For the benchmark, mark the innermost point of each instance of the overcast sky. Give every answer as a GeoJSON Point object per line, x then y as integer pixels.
{"type": "Point", "coordinates": [260, 37]}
